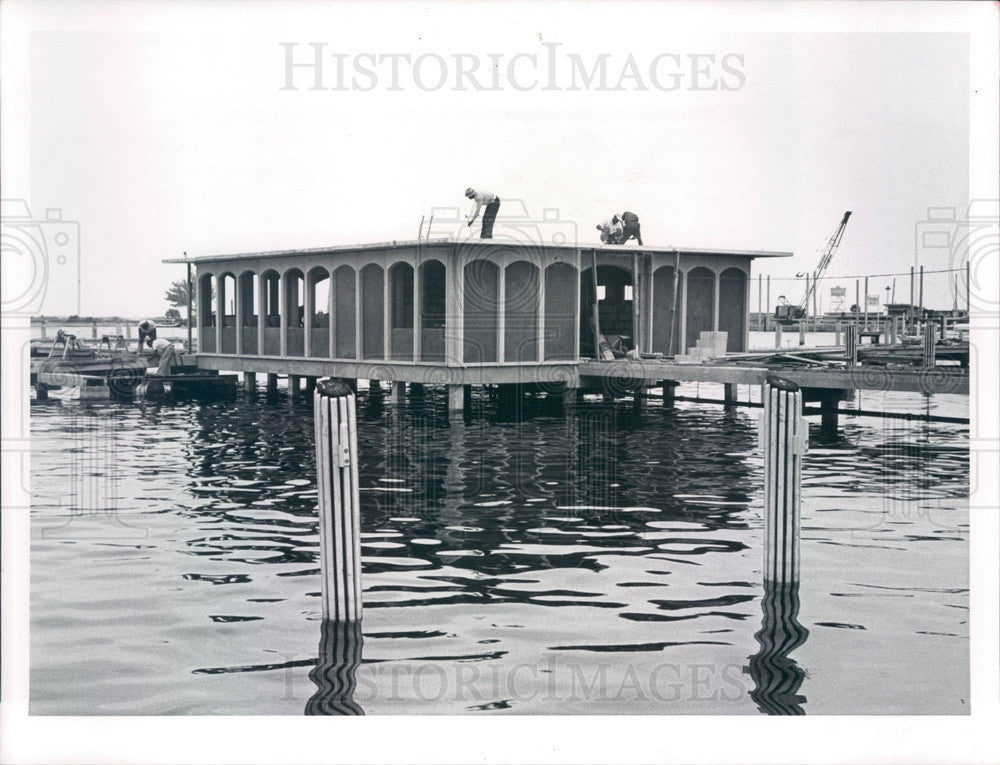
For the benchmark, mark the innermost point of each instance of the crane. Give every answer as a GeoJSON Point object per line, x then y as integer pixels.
{"type": "Point", "coordinates": [785, 311]}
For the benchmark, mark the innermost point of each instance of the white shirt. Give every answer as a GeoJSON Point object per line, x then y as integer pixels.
{"type": "Point", "coordinates": [481, 198]}
{"type": "Point", "coordinates": [161, 343]}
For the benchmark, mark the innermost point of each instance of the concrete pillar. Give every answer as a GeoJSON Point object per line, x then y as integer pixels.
{"type": "Point", "coordinates": [777, 335]}
{"type": "Point", "coordinates": [802, 331]}
{"type": "Point", "coordinates": [375, 389]}
{"type": "Point", "coordinates": [293, 385]}
{"type": "Point", "coordinates": [310, 384]}
{"type": "Point", "coordinates": [250, 381]}
{"type": "Point", "coordinates": [638, 399]}
{"type": "Point", "coordinates": [669, 390]}
{"type": "Point", "coordinates": [467, 397]}
{"type": "Point", "coordinates": [397, 391]}
{"type": "Point", "coordinates": [456, 398]}
{"type": "Point", "coordinates": [784, 437]}
{"type": "Point", "coordinates": [272, 383]}
{"type": "Point", "coordinates": [335, 423]}
{"type": "Point", "coordinates": [829, 406]}
{"type": "Point", "coordinates": [729, 395]}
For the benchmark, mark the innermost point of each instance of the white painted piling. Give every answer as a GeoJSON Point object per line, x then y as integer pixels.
{"type": "Point", "coordinates": [777, 335]}
{"type": "Point", "coordinates": [335, 420]}
{"type": "Point", "coordinates": [838, 330]}
{"type": "Point", "coordinates": [784, 436]}
{"type": "Point", "coordinates": [851, 344]}
{"type": "Point", "coordinates": [802, 331]}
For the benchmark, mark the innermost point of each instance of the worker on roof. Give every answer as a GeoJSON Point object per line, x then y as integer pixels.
{"type": "Point", "coordinates": [147, 332]}
{"type": "Point", "coordinates": [630, 226]}
{"type": "Point", "coordinates": [611, 231]}
{"type": "Point", "coordinates": [492, 203]}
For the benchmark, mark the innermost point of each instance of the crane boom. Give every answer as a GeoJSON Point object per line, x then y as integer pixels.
{"type": "Point", "coordinates": [827, 255]}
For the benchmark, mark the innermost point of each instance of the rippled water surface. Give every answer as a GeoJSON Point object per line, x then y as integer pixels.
{"type": "Point", "coordinates": [600, 562]}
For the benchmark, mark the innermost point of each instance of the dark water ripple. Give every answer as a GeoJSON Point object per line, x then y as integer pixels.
{"type": "Point", "coordinates": [599, 563]}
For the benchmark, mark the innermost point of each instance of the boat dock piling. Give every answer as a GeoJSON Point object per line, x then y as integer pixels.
{"type": "Point", "coordinates": [784, 438]}
{"type": "Point", "coordinates": [335, 422]}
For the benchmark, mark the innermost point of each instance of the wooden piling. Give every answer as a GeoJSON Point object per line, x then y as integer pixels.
{"type": "Point", "coordinates": [669, 391]}
{"type": "Point", "coordinates": [293, 385]}
{"type": "Point", "coordinates": [802, 331]}
{"type": "Point", "coordinates": [930, 344]}
{"type": "Point", "coordinates": [272, 383]}
{"type": "Point", "coordinates": [335, 423]}
{"type": "Point", "coordinates": [851, 344]}
{"type": "Point", "coordinates": [784, 436]}
{"type": "Point", "coordinates": [250, 381]}
{"type": "Point", "coordinates": [777, 335]}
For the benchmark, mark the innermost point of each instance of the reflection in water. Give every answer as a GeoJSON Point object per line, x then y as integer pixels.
{"type": "Point", "coordinates": [487, 546]}
{"type": "Point", "coordinates": [340, 646]}
{"type": "Point", "coordinates": [776, 676]}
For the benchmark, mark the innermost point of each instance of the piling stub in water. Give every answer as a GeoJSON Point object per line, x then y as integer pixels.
{"type": "Point", "coordinates": [335, 421]}
{"type": "Point", "coordinates": [930, 344]}
{"type": "Point", "coordinates": [784, 437]}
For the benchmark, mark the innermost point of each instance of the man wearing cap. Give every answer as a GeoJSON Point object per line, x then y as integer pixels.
{"type": "Point", "coordinates": [630, 227]}
{"type": "Point", "coordinates": [492, 203]}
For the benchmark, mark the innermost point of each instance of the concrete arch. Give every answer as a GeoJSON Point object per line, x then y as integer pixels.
{"type": "Point", "coordinates": [733, 307]}
{"type": "Point", "coordinates": [522, 283]}
{"type": "Point", "coordinates": [482, 311]}
{"type": "Point", "coordinates": [560, 311]}
{"type": "Point", "coordinates": [433, 281]}
{"type": "Point", "coordinates": [700, 300]}
{"type": "Point", "coordinates": [372, 312]}
{"type": "Point", "coordinates": [345, 342]}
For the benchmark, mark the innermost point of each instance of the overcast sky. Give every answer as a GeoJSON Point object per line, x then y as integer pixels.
{"type": "Point", "coordinates": [165, 128]}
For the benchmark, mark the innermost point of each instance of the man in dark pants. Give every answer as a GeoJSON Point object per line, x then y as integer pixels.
{"type": "Point", "coordinates": [630, 227]}
{"type": "Point", "coordinates": [492, 203]}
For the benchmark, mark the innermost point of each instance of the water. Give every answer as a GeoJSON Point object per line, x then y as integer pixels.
{"type": "Point", "coordinates": [600, 563]}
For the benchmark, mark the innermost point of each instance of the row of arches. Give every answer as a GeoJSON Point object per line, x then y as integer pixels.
{"type": "Point", "coordinates": [516, 313]}
{"type": "Point", "coordinates": [377, 313]}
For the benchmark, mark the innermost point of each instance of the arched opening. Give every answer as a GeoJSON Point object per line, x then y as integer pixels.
{"type": "Point", "coordinates": [401, 311]}
{"type": "Point", "coordinates": [227, 303]}
{"type": "Point", "coordinates": [433, 302]}
{"type": "Point", "coordinates": [249, 311]}
{"type": "Point", "coordinates": [482, 312]}
{"type": "Point", "coordinates": [295, 312]}
{"type": "Point", "coordinates": [206, 313]}
{"type": "Point", "coordinates": [270, 306]}
{"type": "Point", "coordinates": [733, 307]}
{"type": "Point", "coordinates": [344, 306]}
{"type": "Point", "coordinates": [372, 312]}
{"type": "Point", "coordinates": [614, 301]}
{"type": "Point", "coordinates": [666, 312]}
{"type": "Point", "coordinates": [318, 295]}
{"type": "Point", "coordinates": [560, 311]}
{"type": "Point", "coordinates": [700, 289]}
{"type": "Point", "coordinates": [521, 287]}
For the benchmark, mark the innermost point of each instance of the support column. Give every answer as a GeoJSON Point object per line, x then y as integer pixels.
{"type": "Point", "coordinates": [669, 391]}
{"type": "Point", "coordinates": [838, 330]}
{"type": "Point", "coordinates": [262, 312]}
{"type": "Point", "coordinates": [283, 313]}
{"type": "Point", "coordinates": [335, 423]}
{"type": "Point", "coordinates": [310, 385]}
{"type": "Point", "coordinates": [397, 391]}
{"type": "Point", "coordinates": [467, 397]}
{"type": "Point", "coordinates": [777, 335]}
{"type": "Point", "coordinates": [802, 331]}
{"type": "Point", "coordinates": [638, 399]}
{"type": "Point", "coordinates": [784, 437]}
{"type": "Point", "coordinates": [220, 311]}
{"type": "Point", "coordinates": [729, 395]}
{"type": "Point", "coordinates": [293, 386]}
{"type": "Point", "coordinates": [456, 398]}
{"type": "Point", "coordinates": [250, 381]}
{"type": "Point", "coordinates": [375, 389]}
{"type": "Point", "coordinates": [828, 407]}
{"type": "Point", "coordinates": [272, 383]}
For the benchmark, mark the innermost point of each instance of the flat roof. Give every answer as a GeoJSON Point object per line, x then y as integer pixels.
{"type": "Point", "coordinates": [614, 249]}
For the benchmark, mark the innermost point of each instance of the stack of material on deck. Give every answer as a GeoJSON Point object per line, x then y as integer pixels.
{"type": "Point", "coordinates": [710, 345]}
